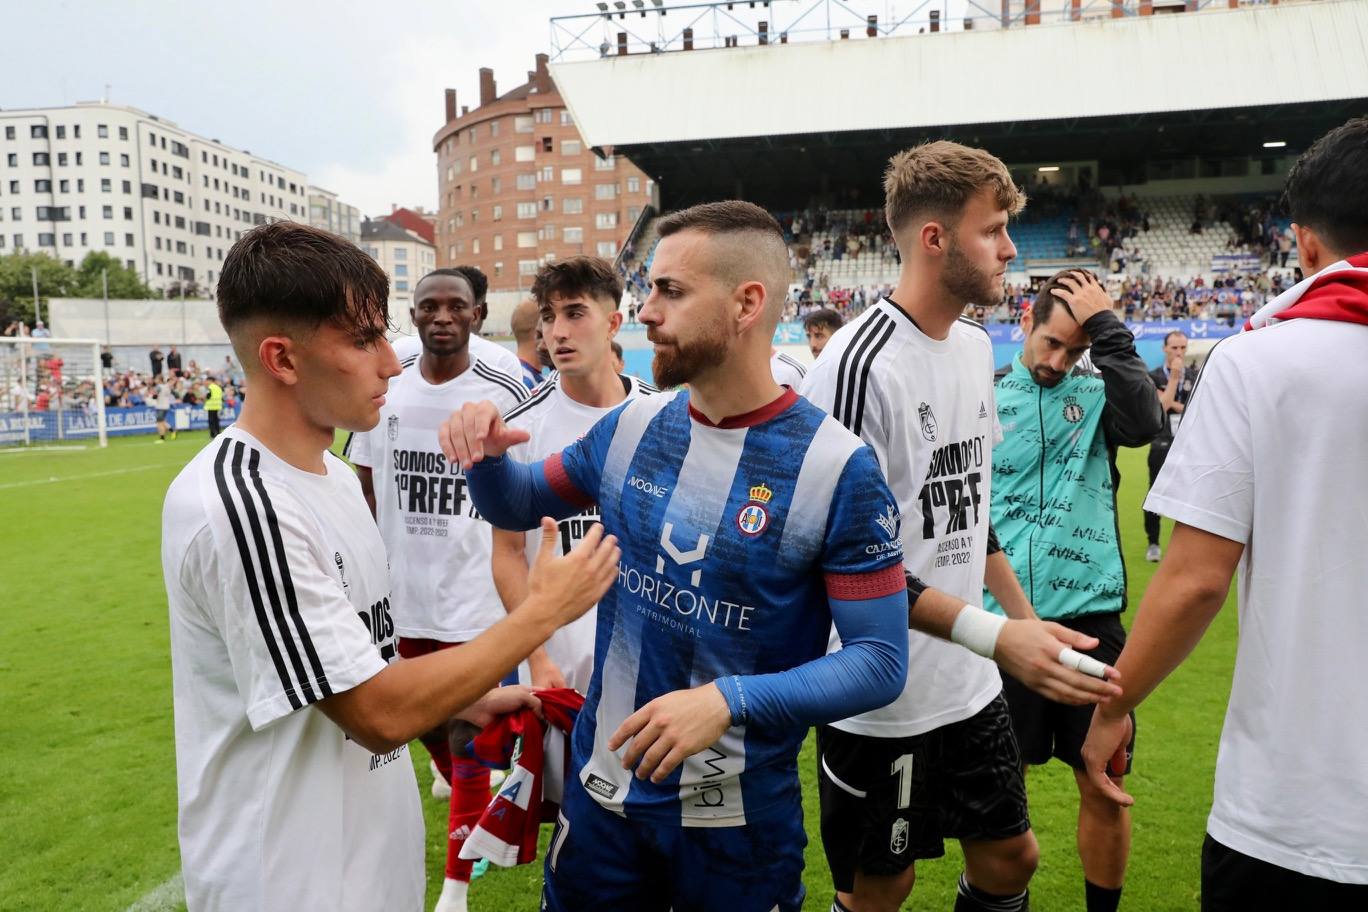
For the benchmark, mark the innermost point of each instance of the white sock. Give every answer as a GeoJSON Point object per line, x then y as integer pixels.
{"type": "Point", "coordinates": [453, 898]}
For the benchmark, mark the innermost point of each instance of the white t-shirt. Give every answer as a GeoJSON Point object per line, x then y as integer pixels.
{"type": "Point", "coordinates": [408, 348]}
{"type": "Point", "coordinates": [787, 370]}
{"type": "Point", "coordinates": [279, 596]}
{"type": "Point", "coordinates": [1273, 452]}
{"type": "Point", "coordinates": [926, 408]}
{"type": "Point", "coordinates": [439, 546]}
{"type": "Point", "coordinates": [555, 421]}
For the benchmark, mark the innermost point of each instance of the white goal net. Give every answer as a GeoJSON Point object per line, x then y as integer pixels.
{"type": "Point", "coordinates": [52, 391]}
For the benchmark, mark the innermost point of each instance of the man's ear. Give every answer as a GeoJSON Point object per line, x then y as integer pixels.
{"type": "Point", "coordinates": [278, 356]}
{"type": "Point", "coordinates": [1311, 249]}
{"type": "Point", "coordinates": [751, 299]}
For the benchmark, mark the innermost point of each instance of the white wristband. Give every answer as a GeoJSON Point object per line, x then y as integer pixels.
{"type": "Point", "coordinates": [977, 630]}
{"type": "Point", "coordinates": [1071, 658]}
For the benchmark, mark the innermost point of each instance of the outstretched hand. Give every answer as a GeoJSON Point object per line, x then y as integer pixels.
{"type": "Point", "coordinates": [476, 431]}
{"type": "Point", "coordinates": [1104, 751]}
{"type": "Point", "coordinates": [1028, 650]}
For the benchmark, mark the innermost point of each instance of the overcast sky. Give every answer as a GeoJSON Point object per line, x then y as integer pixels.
{"type": "Point", "coordinates": [349, 92]}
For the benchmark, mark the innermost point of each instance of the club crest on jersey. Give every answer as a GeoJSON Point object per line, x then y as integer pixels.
{"type": "Point", "coordinates": [392, 427]}
{"type": "Point", "coordinates": [897, 840]}
{"type": "Point", "coordinates": [753, 519]}
{"type": "Point", "coordinates": [928, 422]}
{"type": "Point", "coordinates": [1073, 412]}
{"type": "Point", "coordinates": [888, 522]}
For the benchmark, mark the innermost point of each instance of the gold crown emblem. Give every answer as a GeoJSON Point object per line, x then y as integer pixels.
{"type": "Point", "coordinates": [761, 494]}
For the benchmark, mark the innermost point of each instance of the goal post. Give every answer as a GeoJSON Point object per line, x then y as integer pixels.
{"type": "Point", "coordinates": [52, 391]}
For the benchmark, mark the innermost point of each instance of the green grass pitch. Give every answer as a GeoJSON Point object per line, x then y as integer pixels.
{"type": "Point", "coordinates": [88, 791]}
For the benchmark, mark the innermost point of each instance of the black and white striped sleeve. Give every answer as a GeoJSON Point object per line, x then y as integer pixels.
{"type": "Point", "coordinates": [845, 385]}
{"type": "Point", "coordinates": [292, 636]}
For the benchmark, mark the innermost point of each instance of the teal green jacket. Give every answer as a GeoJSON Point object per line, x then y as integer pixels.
{"type": "Point", "coordinates": [1054, 473]}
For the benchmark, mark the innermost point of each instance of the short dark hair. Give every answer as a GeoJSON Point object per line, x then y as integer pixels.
{"type": "Point", "coordinates": [457, 272]}
{"type": "Point", "coordinates": [824, 316]}
{"type": "Point", "coordinates": [765, 249]}
{"type": "Point", "coordinates": [479, 282]}
{"type": "Point", "coordinates": [578, 275]}
{"type": "Point", "coordinates": [1172, 333]}
{"type": "Point", "coordinates": [303, 275]}
{"type": "Point", "coordinates": [1045, 299]}
{"type": "Point", "coordinates": [722, 217]}
{"type": "Point", "coordinates": [1327, 189]}
{"type": "Point", "coordinates": [617, 348]}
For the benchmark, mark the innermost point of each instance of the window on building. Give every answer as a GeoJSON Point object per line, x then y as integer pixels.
{"type": "Point", "coordinates": [547, 145]}
{"type": "Point", "coordinates": [498, 213]}
{"type": "Point", "coordinates": [107, 212]}
{"type": "Point", "coordinates": [475, 245]}
{"type": "Point", "coordinates": [570, 147]}
{"type": "Point", "coordinates": [104, 158]}
{"type": "Point", "coordinates": [495, 158]}
{"type": "Point", "coordinates": [565, 119]}
{"type": "Point", "coordinates": [527, 210]}
{"type": "Point", "coordinates": [543, 115]}
{"type": "Point", "coordinates": [14, 186]}
{"type": "Point", "coordinates": [102, 131]}
{"type": "Point", "coordinates": [607, 163]}
{"type": "Point", "coordinates": [572, 176]}
{"type": "Point", "coordinates": [527, 267]}
{"type": "Point", "coordinates": [527, 239]}
{"type": "Point", "coordinates": [123, 159]}
{"type": "Point", "coordinates": [106, 185]}
{"type": "Point", "coordinates": [9, 132]}
{"type": "Point", "coordinates": [526, 182]}
{"type": "Point", "coordinates": [548, 204]}
{"type": "Point", "coordinates": [574, 235]}
{"type": "Point", "coordinates": [607, 249]}
{"type": "Point", "coordinates": [605, 191]}
{"type": "Point", "coordinates": [128, 213]}
{"type": "Point", "coordinates": [66, 239]}
{"type": "Point", "coordinates": [522, 123]}
{"type": "Point", "coordinates": [633, 184]}
{"type": "Point", "coordinates": [109, 238]}
{"type": "Point", "coordinates": [42, 186]}
{"type": "Point", "coordinates": [61, 159]}
{"type": "Point", "coordinates": [401, 269]}
{"type": "Point", "coordinates": [633, 212]}
{"type": "Point", "coordinates": [605, 220]}
{"type": "Point", "coordinates": [64, 186]}
{"type": "Point", "coordinates": [38, 131]}
{"type": "Point", "coordinates": [46, 239]}
{"type": "Point", "coordinates": [572, 205]}
{"type": "Point", "coordinates": [495, 185]}
{"type": "Point", "coordinates": [42, 158]}
{"type": "Point", "coordinates": [546, 233]}
{"type": "Point", "coordinates": [474, 163]}
{"type": "Point", "coordinates": [12, 159]}
{"type": "Point", "coordinates": [128, 239]}
{"type": "Point", "coordinates": [401, 253]}
{"type": "Point", "coordinates": [401, 285]}
{"type": "Point", "coordinates": [498, 242]}
{"type": "Point", "coordinates": [524, 153]}
{"type": "Point", "coordinates": [548, 174]}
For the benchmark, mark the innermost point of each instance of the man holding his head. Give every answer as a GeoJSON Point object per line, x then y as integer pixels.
{"type": "Point", "coordinates": [1077, 391]}
{"type": "Point", "coordinates": [280, 604]}
{"type": "Point", "coordinates": [914, 380]}
{"type": "Point", "coordinates": [752, 521]}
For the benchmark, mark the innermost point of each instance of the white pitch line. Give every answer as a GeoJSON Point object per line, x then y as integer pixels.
{"type": "Point", "coordinates": [54, 479]}
{"type": "Point", "coordinates": [169, 894]}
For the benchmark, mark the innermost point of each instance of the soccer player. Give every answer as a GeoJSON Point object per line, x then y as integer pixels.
{"type": "Point", "coordinates": [438, 545]}
{"type": "Point", "coordinates": [751, 521]}
{"type": "Point", "coordinates": [577, 300]}
{"type": "Point", "coordinates": [819, 326]}
{"type": "Point", "coordinates": [1054, 512]}
{"type": "Point", "coordinates": [619, 364]}
{"type": "Point", "coordinates": [280, 605]}
{"type": "Point", "coordinates": [523, 325]}
{"type": "Point", "coordinates": [494, 355]}
{"type": "Point", "coordinates": [914, 380]}
{"type": "Point", "coordinates": [1174, 383]}
{"type": "Point", "coordinates": [161, 402]}
{"type": "Point", "coordinates": [1271, 451]}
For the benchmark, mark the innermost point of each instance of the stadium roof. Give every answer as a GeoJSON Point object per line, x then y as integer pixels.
{"type": "Point", "coordinates": [1217, 82]}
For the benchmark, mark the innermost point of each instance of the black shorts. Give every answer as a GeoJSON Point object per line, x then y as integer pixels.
{"type": "Point", "coordinates": [888, 801]}
{"type": "Point", "coordinates": [161, 414]}
{"type": "Point", "coordinates": [1048, 729]}
{"type": "Point", "coordinates": [1234, 882]}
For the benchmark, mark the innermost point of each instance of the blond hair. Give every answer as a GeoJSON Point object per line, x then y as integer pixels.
{"type": "Point", "coordinates": [938, 178]}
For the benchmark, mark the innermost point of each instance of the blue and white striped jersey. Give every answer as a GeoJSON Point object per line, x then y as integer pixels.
{"type": "Point", "coordinates": [733, 538]}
